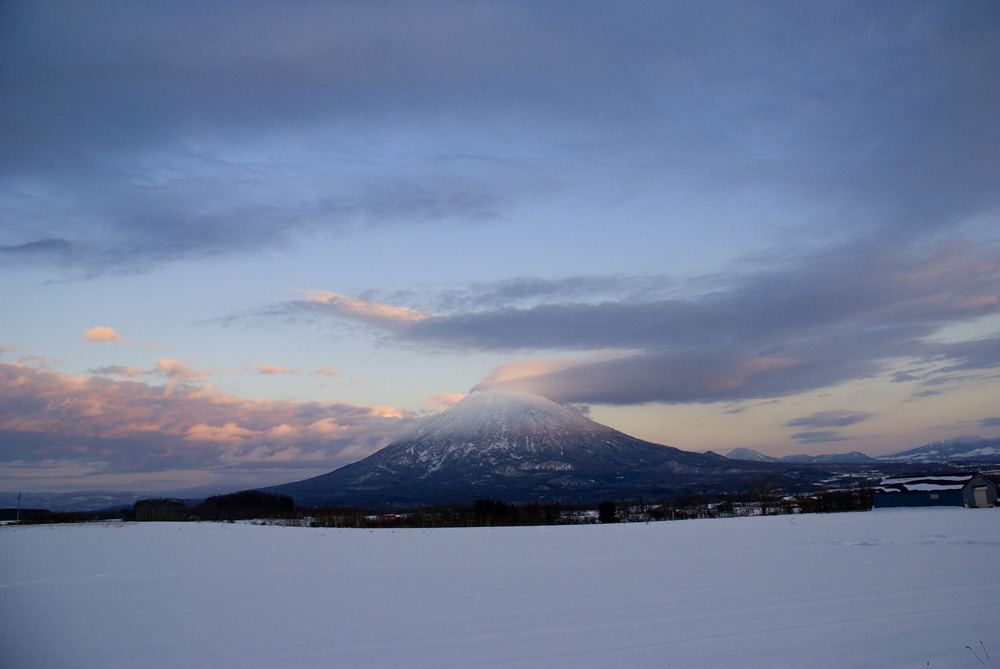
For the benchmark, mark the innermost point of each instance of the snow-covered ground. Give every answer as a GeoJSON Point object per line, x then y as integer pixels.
{"type": "Point", "coordinates": [890, 588]}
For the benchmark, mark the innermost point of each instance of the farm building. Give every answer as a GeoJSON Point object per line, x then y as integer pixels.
{"type": "Point", "coordinates": [980, 491]}
{"type": "Point", "coordinates": [969, 490]}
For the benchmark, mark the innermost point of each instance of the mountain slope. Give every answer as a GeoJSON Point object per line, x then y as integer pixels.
{"type": "Point", "coordinates": [974, 449]}
{"type": "Point", "coordinates": [511, 446]}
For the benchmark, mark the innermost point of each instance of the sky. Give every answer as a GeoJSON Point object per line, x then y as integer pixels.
{"type": "Point", "coordinates": [246, 243]}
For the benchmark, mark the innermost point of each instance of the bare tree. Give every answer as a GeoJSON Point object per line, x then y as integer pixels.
{"type": "Point", "coordinates": [765, 492]}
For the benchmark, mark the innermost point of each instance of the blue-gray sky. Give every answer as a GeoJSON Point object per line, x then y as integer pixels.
{"type": "Point", "coordinates": [245, 243]}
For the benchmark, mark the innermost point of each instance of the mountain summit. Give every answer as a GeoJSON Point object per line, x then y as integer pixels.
{"type": "Point", "coordinates": [499, 430]}
{"type": "Point", "coordinates": [512, 446]}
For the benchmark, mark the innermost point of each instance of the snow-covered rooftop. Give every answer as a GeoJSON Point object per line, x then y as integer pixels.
{"type": "Point", "coordinates": [923, 483]}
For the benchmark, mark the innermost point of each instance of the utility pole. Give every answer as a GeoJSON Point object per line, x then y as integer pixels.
{"type": "Point", "coordinates": [18, 508]}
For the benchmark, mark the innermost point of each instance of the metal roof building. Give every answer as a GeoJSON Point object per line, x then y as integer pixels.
{"type": "Point", "coordinates": [970, 490]}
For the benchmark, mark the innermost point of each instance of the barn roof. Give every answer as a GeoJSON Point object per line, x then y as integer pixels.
{"type": "Point", "coordinates": [930, 483]}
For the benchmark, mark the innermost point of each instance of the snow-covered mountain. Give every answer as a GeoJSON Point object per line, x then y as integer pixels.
{"type": "Point", "coordinates": [503, 431]}
{"type": "Point", "coordinates": [969, 449]}
{"type": "Point", "coordinates": [512, 446]}
{"type": "Point", "coordinates": [748, 454]}
{"type": "Point", "coordinates": [975, 449]}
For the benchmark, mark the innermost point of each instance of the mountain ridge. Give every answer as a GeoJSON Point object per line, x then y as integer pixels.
{"type": "Point", "coordinates": [968, 448]}
{"type": "Point", "coordinates": [958, 449]}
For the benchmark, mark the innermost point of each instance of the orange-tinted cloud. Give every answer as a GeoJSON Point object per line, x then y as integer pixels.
{"type": "Point", "coordinates": [532, 375]}
{"type": "Point", "coordinates": [102, 334]}
{"type": "Point", "coordinates": [326, 371]}
{"type": "Point", "coordinates": [177, 370]}
{"type": "Point", "coordinates": [40, 361]}
{"type": "Point", "coordinates": [226, 434]}
{"type": "Point", "coordinates": [274, 369]}
{"type": "Point", "coordinates": [441, 401]}
{"type": "Point", "coordinates": [376, 313]}
{"type": "Point", "coordinates": [509, 374]}
{"type": "Point", "coordinates": [129, 426]}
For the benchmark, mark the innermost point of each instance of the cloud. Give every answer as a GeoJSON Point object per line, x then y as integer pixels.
{"type": "Point", "coordinates": [993, 421]}
{"type": "Point", "coordinates": [668, 377]}
{"type": "Point", "coordinates": [839, 418]}
{"type": "Point", "coordinates": [117, 427]}
{"type": "Point", "coordinates": [155, 169]}
{"type": "Point", "coordinates": [104, 334]}
{"type": "Point", "coordinates": [326, 371]}
{"type": "Point", "coordinates": [762, 330]}
{"type": "Point", "coordinates": [510, 373]}
{"type": "Point", "coordinates": [273, 369]}
{"type": "Point", "coordinates": [39, 361]}
{"type": "Point", "coordinates": [373, 313]}
{"type": "Point", "coordinates": [130, 371]}
{"type": "Point", "coordinates": [48, 249]}
{"type": "Point", "coordinates": [175, 182]}
{"type": "Point", "coordinates": [819, 437]}
{"type": "Point", "coordinates": [981, 353]}
{"type": "Point", "coordinates": [527, 374]}
{"type": "Point", "coordinates": [179, 372]}
{"type": "Point", "coordinates": [525, 291]}
{"type": "Point", "coordinates": [226, 434]}
{"type": "Point", "coordinates": [176, 371]}
{"type": "Point", "coordinates": [442, 401]}
{"type": "Point", "coordinates": [909, 290]}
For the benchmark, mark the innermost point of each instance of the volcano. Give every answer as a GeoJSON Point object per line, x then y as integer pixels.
{"type": "Point", "coordinates": [516, 447]}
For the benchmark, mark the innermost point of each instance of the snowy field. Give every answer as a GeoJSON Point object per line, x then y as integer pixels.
{"type": "Point", "coordinates": [890, 588]}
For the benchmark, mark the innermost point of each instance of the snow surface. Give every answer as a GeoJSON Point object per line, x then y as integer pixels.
{"type": "Point", "coordinates": [888, 588]}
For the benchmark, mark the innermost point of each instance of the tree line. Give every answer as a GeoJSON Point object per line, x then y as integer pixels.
{"type": "Point", "coordinates": [243, 505]}
{"type": "Point", "coordinates": [761, 497]}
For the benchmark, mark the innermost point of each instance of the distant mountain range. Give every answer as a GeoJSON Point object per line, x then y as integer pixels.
{"type": "Point", "coordinates": [756, 456]}
{"type": "Point", "coordinates": [959, 450]}
{"type": "Point", "coordinates": [89, 500]}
